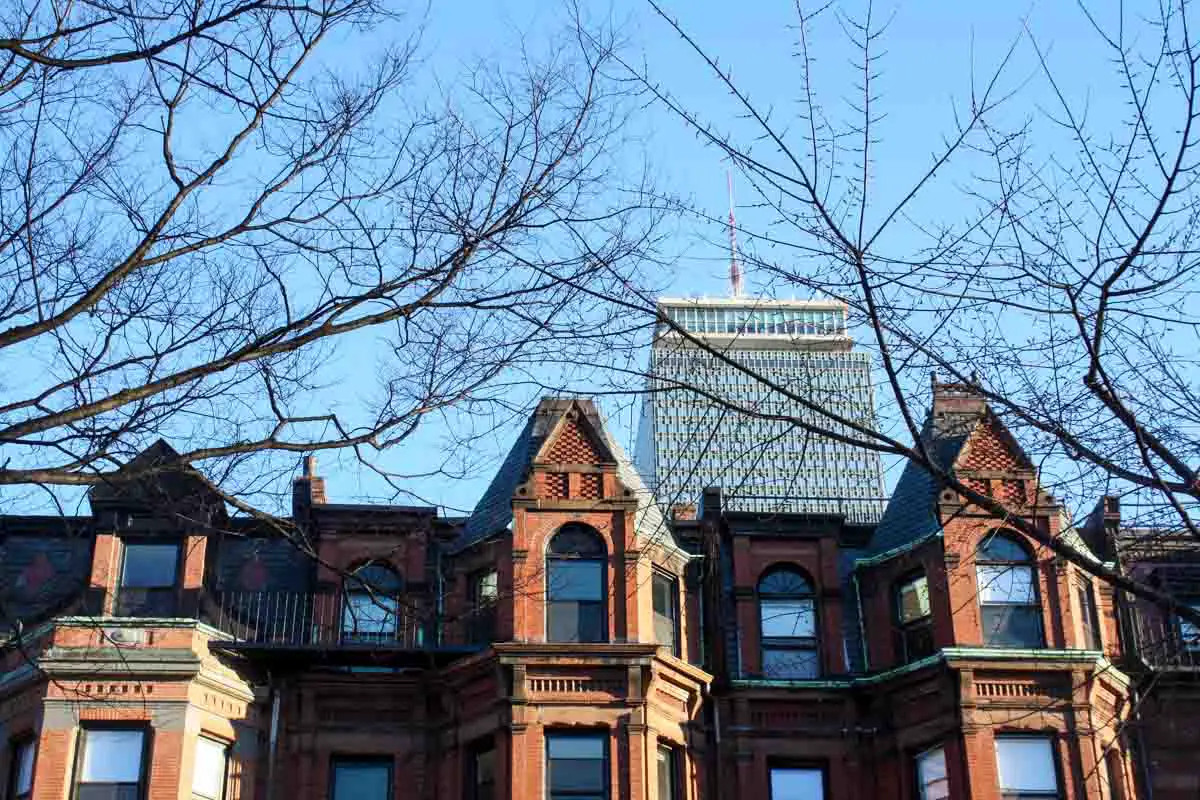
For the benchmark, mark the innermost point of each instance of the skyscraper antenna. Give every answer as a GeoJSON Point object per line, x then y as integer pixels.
{"type": "Point", "coordinates": [735, 269]}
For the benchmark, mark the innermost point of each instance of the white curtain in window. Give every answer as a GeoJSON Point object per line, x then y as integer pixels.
{"type": "Point", "coordinates": [208, 776]}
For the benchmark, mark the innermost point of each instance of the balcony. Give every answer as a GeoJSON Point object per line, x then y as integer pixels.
{"type": "Point", "coordinates": [334, 626]}
{"type": "Point", "coordinates": [1163, 644]}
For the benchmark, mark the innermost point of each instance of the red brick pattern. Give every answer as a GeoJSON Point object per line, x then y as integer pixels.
{"type": "Point", "coordinates": [987, 450]}
{"type": "Point", "coordinates": [572, 446]}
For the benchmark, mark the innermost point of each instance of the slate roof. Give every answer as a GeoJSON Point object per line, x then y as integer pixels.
{"type": "Point", "coordinates": [911, 513]}
{"type": "Point", "coordinates": [493, 512]}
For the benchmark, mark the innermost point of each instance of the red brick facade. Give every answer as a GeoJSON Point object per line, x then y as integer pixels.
{"type": "Point", "coordinates": [265, 657]}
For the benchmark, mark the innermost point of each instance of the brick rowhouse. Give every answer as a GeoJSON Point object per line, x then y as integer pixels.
{"type": "Point", "coordinates": [568, 640]}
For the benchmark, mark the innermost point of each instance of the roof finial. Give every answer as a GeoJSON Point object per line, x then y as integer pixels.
{"type": "Point", "coordinates": [735, 269]}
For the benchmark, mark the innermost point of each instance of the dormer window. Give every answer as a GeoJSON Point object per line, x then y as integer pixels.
{"type": "Point", "coordinates": [371, 612]}
{"type": "Point", "coordinates": [149, 572]}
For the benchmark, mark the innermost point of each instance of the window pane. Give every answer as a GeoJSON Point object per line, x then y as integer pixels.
{"type": "Point", "coordinates": [914, 599]}
{"type": "Point", "coordinates": [23, 758]}
{"type": "Point", "coordinates": [797, 784]}
{"type": "Point", "coordinates": [484, 767]}
{"type": "Point", "coordinates": [790, 664]}
{"type": "Point", "coordinates": [1189, 633]}
{"type": "Point", "coordinates": [361, 780]}
{"type": "Point", "coordinates": [108, 791]}
{"type": "Point", "coordinates": [788, 618]}
{"type": "Point", "coordinates": [112, 756]}
{"type": "Point", "coordinates": [487, 587]}
{"type": "Point", "coordinates": [576, 580]}
{"type": "Point", "coordinates": [208, 776]}
{"type": "Point", "coordinates": [999, 583]}
{"type": "Point", "coordinates": [664, 597]}
{"type": "Point", "coordinates": [668, 772]}
{"type": "Point", "coordinates": [1026, 765]}
{"type": "Point", "coordinates": [569, 621]}
{"type": "Point", "coordinates": [1012, 626]}
{"type": "Point", "coordinates": [931, 775]}
{"type": "Point", "coordinates": [369, 614]}
{"type": "Point", "coordinates": [576, 765]}
{"type": "Point", "coordinates": [149, 565]}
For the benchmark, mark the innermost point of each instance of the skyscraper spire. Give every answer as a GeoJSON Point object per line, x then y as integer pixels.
{"type": "Point", "coordinates": [735, 269]}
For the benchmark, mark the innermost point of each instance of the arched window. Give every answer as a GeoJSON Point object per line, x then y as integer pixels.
{"type": "Point", "coordinates": [914, 619]}
{"type": "Point", "coordinates": [372, 608]}
{"type": "Point", "coordinates": [787, 615]}
{"type": "Point", "coordinates": [1010, 613]}
{"type": "Point", "coordinates": [575, 582]}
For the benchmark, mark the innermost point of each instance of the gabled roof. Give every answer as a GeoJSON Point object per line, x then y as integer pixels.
{"type": "Point", "coordinates": [493, 513]}
{"type": "Point", "coordinates": [157, 481]}
{"type": "Point", "coordinates": [911, 512]}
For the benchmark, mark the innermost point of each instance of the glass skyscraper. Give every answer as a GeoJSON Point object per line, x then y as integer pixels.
{"type": "Point", "coordinates": [689, 440]}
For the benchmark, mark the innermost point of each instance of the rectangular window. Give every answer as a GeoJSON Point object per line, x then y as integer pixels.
{"type": "Point", "coordinates": [1089, 619]}
{"type": "Point", "coordinates": [577, 766]}
{"type": "Point", "coordinates": [576, 608]}
{"type": "Point", "coordinates": [915, 631]}
{"type": "Point", "coordinates": [148, 574]}
{"type": "Point", "coordinates": [357, 778]}
{"type": "Point", "coordinates": [210, 770]}
{"type": "Point", "coordinates": [669, 781]}
{"type": "Point", "coordinates": [481, 771]}
{"type": "Point", "coordinates": [20, 769]}
{"type": "Point", "coordinates": [1025, 765]}
{"type": "Point", "coordinates": [111, 765]}
{"type": "Point", "coordinates": [666, 611]}
{"type": "Point", "coordinates": [484, 593]}
{"type": "Point", "coordinates": [792, 783]}
{"type": "Point", "coordinates": [931, 775]}
{"type": "Point", "coordinates": [1011, 616]}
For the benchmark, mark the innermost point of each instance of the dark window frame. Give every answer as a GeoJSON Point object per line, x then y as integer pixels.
{"type": "Point", "coordinates": [598, 555]}
{"type": "Point", "coordinates": [603, 735]}
{"type": "Point", "coordinates": [1090, 616]}
{"type": "Point", "coordinates": [471, 785]}
{"type": "Point", "coordinates": [227, 747]}
{"type": "Point", "coordinates": [814, 766]}
{"type": "Point", "coordinates": [1027, 561]}
{"type": "Point", "coordinates": [915, 760]}
{"type": "Point", "coordinates": [147, 732]}
{"type": "Point", "coordinates": [482, 620]}
{"type": "Point", "coordinates": [352, 634]}
{"type": "Point", "coordinates": [914, 638]}
{"type": "Point", "coordinates": [170, 593]}
{"type": "Point", "coordinates": [388, 762]}
{"type": "Point", "coordinates": [797, 644]}
{"type": "Point", "coordinates": [1053, 740]}
{"type": "Point", "coordinates": [16, 746]}
{"type": "Point", "coordinates": [672, 581]}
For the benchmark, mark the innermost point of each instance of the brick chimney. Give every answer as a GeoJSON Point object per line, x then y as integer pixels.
{"type": "Point", "coordinates": [308, 490]}
{"type": "Point", "coordinates": [957, 398]}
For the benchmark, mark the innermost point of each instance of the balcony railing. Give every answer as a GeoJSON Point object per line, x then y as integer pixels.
{"type": "Point", "coordinates": [322, 620]}
{"type": "Point", "coordinates": [1162, 643]}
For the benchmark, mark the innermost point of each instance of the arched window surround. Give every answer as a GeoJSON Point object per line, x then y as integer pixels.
{"type": "Point", "coordinates": [1010, 607]}
{"type": "Point", "coordinates": [789, 640]}
{"type": "Point", "coordinates": [576, 585]}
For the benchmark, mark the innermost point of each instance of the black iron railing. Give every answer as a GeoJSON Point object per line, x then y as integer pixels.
{"type": "Point", "coordinates": [322, 620]}
{"type": "Point", "coordinates": [1163, 642]}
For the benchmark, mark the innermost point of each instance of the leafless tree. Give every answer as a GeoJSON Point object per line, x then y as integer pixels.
{"type": "Point", "coordinates": [1060, 286]}
{"type": "Point", "coordinates": [211, 212]}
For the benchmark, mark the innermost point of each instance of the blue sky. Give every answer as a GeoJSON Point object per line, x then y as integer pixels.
{"type": "Point", "coordinates": [934, 49]}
